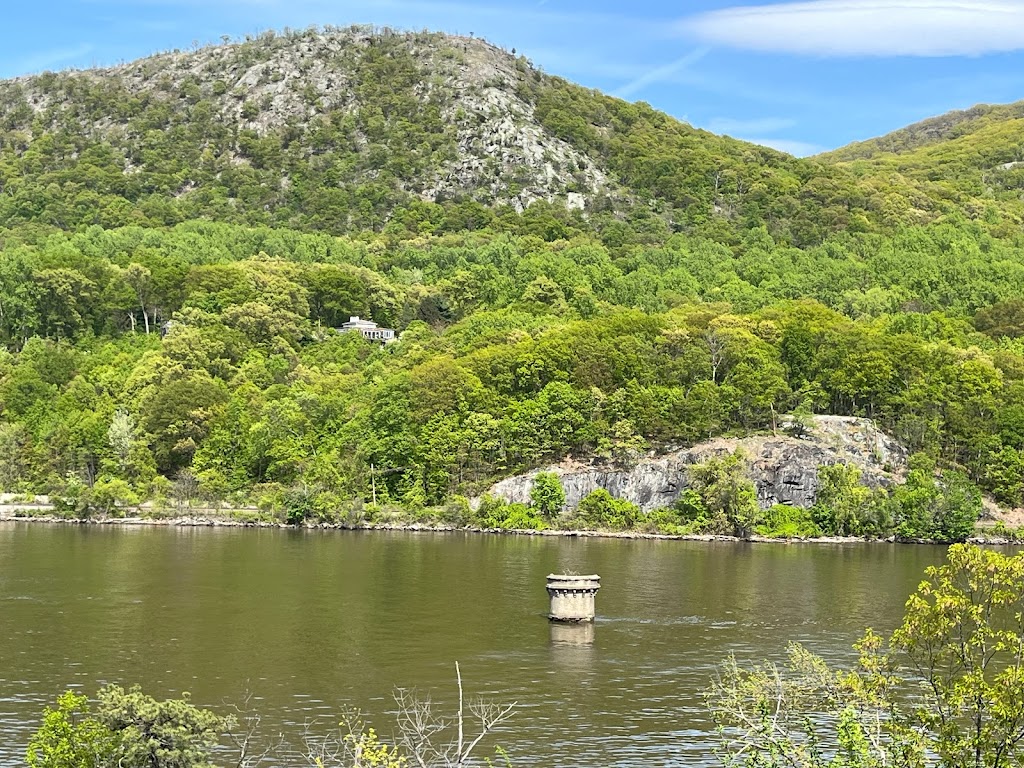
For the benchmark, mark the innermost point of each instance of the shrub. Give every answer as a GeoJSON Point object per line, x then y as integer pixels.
{"type": "Point", "coordinates": [128, 729]}
{"type": "Point", "coordinates": [70, 737]}
{"type": "Point", "coordinates": [111, 493]}
{"type": "Point", "coordinates": [725, 490]}
{"type": "Point", "coordinates": [696, 519]}
{"type": "Point", "coordinates": [456, 511]}
{"type": "Point", "coordinates": [665, 521]}
{"type": "Point", "coordinates": [73, 499]}
{"type": "Point", "coordinates": [786, 522]}
{"type": "Point", "coordinates": [601, 511]}
{"type": "Point", "coordinates": [500, 514]}
{"type": "Point", "coordinates": [928, 506]}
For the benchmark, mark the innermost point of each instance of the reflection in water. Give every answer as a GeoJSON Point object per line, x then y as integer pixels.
{"type": "Point", "coordinates": [572, 653]}
{"type": "Point", "coordinates": [312, 622]}
{"type": "Point", "coordinates": [572, 634]}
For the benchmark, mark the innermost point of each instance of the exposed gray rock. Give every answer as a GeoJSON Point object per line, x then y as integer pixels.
{"type": "Point", "coordinates": [784, 469]}
{"type": "Point", "coordinates": [499, 153]}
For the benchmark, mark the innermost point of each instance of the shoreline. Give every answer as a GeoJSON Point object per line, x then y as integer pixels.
{"type": "Point", "coordinates": [201, 521]}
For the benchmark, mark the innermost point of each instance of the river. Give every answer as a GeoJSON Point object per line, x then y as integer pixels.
{"type": "Point", "coordinates": [312, 622]}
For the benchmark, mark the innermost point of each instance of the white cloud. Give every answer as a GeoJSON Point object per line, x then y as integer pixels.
{"type": "Point", "coordinates": [867, 27]}
{"type": "Point", "coordinates": [659, 74]}
{"type": "Point", "coordinates": [789, 146]}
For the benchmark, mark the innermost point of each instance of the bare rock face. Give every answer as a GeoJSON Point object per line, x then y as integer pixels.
{"type": "Point", "coordinates": [784, 469]}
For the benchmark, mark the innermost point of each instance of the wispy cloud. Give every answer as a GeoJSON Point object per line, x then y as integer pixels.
{"type": "Point", "coordinates": [54, 57]}
{"type": "Point", "coordinates": [660, 74]}
{"type": "Point", "coordinates": [790, 146]}
{"type": "Point", "coordinates": [756, 126]}
{"type": "Point", "coordinates": [581, 62]}
{"type": "Point", "coordinates": [867, 27]}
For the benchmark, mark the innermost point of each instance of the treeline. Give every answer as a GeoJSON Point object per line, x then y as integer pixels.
{"type": "Point", "coordinates": [929, 281]}
{"type": "Point", "coordinates": [513, 353]}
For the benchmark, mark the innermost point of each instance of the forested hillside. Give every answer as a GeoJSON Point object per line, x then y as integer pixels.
{"type": "Point", "coordinates": [359, 129]}
{"type": "Point", "coordinates": [570, 274]}
{"type": "Point", "coordinates": [969, 156]}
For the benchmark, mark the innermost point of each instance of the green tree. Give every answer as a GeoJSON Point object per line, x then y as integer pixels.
{"type": "Point", "coordinates": [177, 414]}
{"type": "Point", "coordinates": [140, 279]}
{"type": "Point", "coordinates": [158, 734]}
{"type": "Point", "coordinates": [70, 737]}
{"type": "Point", "coordinates": [942, 506]}
{"type": "Point", "coordinates": [547, 494]}
{"type": "Point", "coordinates": [600, 510]}
{"type": "Point", "coordinates": [946, 690]}
{"type": "Point", "coordinates": [846, 507]}
{"type": "Point", "coordinates": [127, 729]}
{"type": "Point", "coordinates": [725, 489]}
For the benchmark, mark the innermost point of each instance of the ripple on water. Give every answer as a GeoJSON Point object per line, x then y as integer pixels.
{"type": "Point", "coordinates": [312, 624]}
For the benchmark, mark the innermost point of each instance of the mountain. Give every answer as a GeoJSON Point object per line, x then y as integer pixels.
{"type": "Point", "coordinates": [569, 276]}
{"type": "Point", "coordinates": [339, 129]}
{"type": "Point", "coordinates": [975, 156]}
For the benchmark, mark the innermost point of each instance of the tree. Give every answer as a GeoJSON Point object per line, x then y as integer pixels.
{"type": "Point", "coordinates": [121, 436]}
{"type": "Point", "coordinates": [177, 416]}
{"type": "Point", "coordinates": [725, 489]}
{"type": "Point", "coordinates": [843, 503]}
{"type": "Point", "coordinates": [62, 298]}
{"type": "Point", "coordinates": [963, 635]}
{"type": "Point", "coordinates": [946, 690]}
{"type": "Point", "coordinates": [70, 737]}
{"type": "Point", "coordinates": [599, 509]}
{"type": "Point", "coordinates": [128, 729]}
{"type": "Point", "coordinates": [435, 741]}
{"type": "Point", "coordinates": [1006, 318]}
{"type": "Point", "coordinates": [159, 734]}
{"type": "Point", "coordinates": [547, 494]}
{"type": "Point", "coordinates": [944, 508]}
{"type": "Point", "coordinates": [140, 279]}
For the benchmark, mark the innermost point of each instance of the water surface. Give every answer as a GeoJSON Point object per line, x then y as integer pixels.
{"type": "Point", "coordinates": [312, 622]}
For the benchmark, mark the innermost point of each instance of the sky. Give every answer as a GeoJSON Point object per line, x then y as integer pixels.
{"type": "Point", "coordinates": [803, 76]}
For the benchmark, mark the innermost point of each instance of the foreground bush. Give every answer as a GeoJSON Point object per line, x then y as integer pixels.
{"type": "Point", "coordinates": [128, 729]}
{"type": "Point", "coordinates": [946, 689]}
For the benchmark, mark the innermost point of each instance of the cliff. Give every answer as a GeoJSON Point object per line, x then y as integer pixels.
{"type": "Point", "coordinates": [784, 468]}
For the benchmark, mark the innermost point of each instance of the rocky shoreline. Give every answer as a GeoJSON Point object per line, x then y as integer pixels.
{"type": "Point", "coordinates": [196, 521]}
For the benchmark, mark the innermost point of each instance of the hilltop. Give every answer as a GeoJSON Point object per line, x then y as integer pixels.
{"type": "Point", "coordinates": [931, 131]}
{"type": "Point", "coordinates": [361, 128]}
{"type": "Point", "coordinates": [973, 157]}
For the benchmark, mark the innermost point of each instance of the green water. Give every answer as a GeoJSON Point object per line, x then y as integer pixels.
{"type": "Point", "coordinates": [312, 622]}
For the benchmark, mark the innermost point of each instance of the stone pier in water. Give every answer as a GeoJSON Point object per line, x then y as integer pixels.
{"type": "Point", "coordinates": [572, 597]}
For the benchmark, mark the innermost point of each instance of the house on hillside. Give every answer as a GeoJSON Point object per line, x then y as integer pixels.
{"type": "Point", "coordinates": [369, 329]}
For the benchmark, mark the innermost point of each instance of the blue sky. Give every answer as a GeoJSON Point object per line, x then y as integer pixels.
{"type": "Point", "coordinates": [801, 76]}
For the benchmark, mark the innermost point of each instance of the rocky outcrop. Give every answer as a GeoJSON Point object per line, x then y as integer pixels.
{"type": "Point", "coordinates": [784, 468]}
{"type": "Point", "coordinates": [489, 146]}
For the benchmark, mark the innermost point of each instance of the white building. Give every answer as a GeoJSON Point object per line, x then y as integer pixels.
{"type": "Point", "coordinates": [369, 329]}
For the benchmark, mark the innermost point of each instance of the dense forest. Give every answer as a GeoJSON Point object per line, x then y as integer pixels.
{"type": "Point", "coordinates": [177, 252]}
